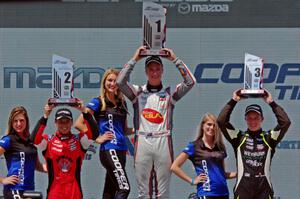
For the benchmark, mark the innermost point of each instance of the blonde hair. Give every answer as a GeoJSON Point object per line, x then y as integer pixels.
{"type": "Point", "coordinates": [218, 138]}
{"type": "Point", "coordinates": [118, 95]}
{"type": "Point", "coordinates": [14, 112]}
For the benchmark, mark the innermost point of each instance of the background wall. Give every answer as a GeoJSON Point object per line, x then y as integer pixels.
{"type": "Point", "coordinates": [97, 36]}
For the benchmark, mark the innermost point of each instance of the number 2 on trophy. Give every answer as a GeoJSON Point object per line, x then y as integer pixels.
{"type": "Point", "coordinates": [67, 75]}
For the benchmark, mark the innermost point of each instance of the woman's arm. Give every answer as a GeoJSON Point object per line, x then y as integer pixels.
{"type": "Point", "coordinates": [176, 168]}
{"type": "Point", "coordinates": [40, 167]}
{"type": "Point", "coordinates": [80, 124]}
{"type": "Point", "coordinates": [128, 131]}
{"type": "Point", "coordinates": [229, 175]}
{"type": "Point", "coordinates": [13, 179]}
{"type": "Point", "coordinates": [2, 150]}
{"type": "Point", "coordinates": [10, 179]}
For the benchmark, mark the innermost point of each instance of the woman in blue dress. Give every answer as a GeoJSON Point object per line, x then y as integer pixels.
{"type": "Point", "coordinates": [110, 111]}
{"type": "Point", "coordinates": [207, 153]}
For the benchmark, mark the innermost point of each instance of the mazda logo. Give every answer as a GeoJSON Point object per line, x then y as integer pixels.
{"type": "Point", "coordinates": [184, 8]}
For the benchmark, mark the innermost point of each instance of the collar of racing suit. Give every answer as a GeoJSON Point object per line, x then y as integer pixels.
{"type": "Point", "coordinates": [154, 89]}
{"type": "Point", "coordinates": [63, 136]}
{"type": "Point", "coordinates": [254, 134]}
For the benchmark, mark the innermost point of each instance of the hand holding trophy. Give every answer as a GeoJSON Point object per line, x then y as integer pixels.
{"type": "Point", "coordinates": [62, 82]}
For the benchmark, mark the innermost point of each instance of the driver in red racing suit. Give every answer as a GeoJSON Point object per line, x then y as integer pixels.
{"type": "Point", "coordinates": [64, 151]}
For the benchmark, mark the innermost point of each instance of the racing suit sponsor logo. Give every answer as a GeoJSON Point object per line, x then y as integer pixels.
{"type": "Point", "coordinates": [73, 145]}
{"type": "Point", "coordinates": [254, 159]}
{"type": "Point", "coordinates": [64, 163]}
{"type": "Point", "coordinates": [162, 97]}
{"type": "Point", "coordinates": [152, 116]}
{"type": "Point", "coordinates": [57, 142]}
{"type": "Point", "coordinates": [119, 172]}
{"type": "Point", "coordinates": [22, 168]}
{"type": "Point", "coordinates": [56, 149]}
{"type": "Point", "coordinates": [260, 147]}
{"type": "Point", "coordinates": [57, 145]}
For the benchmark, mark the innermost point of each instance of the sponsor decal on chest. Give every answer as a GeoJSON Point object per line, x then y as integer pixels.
{"type": "Point", "coordinates": [64, 163]}
{"type": "Point", "coordinates": [162, 96]}
{"type": "Point", "coordinates": [152, 116]}
{"type": "Point", "coordinates": [73, 145]}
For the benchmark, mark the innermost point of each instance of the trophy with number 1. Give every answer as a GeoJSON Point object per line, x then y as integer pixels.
{"type": "Point", "coordinates": [62, 82]}
{"type": "Point", "coordinates": [253, 77]}
{"type": "Point", "coordinates": [154, 29]}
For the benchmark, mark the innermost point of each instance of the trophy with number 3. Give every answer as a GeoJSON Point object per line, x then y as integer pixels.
{"type": "Point", "coordinates": [253, 77]}
{"type": "Point", "coordinates": [62, 82]}
{"type": "Point", "coordinates": [154, 29]}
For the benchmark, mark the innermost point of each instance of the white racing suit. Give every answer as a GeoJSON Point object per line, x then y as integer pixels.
{"type": "Point", "coordinates": [153, 112]}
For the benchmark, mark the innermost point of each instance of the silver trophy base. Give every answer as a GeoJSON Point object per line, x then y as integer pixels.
{"type": "Point", "coordinates": [64, 101]}
{"type": "Point", "coordinates": [247, 93]}
{"type": "Point", "coordinates": [152, 52]}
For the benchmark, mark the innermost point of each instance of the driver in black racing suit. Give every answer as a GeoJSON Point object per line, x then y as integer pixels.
{"type": "Point", "coordinates": [254, 148]}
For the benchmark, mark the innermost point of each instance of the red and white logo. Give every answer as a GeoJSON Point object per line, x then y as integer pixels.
{"type": "Point", "coordinates": [152, 116]}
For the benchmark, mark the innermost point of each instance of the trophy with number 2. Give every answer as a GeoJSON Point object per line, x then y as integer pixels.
{"type": "Point", "coordinates": [62, 82]}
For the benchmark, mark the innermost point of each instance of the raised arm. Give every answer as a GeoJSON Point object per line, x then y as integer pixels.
{"type": "Point", "coordinates": [188, 77]}
{"type": "Point", "coordinates": [80, 124]}
{"type": "Point", "coordinates": [37, 136]}
{"type": "Point", "coordinates": [122, 80]}
{"type": "Point", "coordinates": [91, 129]}
{"type": "Point", "coordinates": [283, 121]}
{"type": "Point", "coordinates": [223, 120]}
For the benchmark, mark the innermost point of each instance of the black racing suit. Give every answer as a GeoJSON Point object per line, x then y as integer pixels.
{"type": "Point", "coordinates": [254, 152]}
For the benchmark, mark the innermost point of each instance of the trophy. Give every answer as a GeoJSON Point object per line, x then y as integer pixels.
{"type": "Point", "coordinates": [62, 82]}
{"type": "Point", "coordinates": [253, 77]}
{"type": "Point", "coordinates": [154, 29]}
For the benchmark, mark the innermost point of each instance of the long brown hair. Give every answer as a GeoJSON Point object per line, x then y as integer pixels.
{"type": "Point", "coordinates": [218, 138]}
{"type": "Point", "coordinates": [118, 95]}
{"type": "Point", "coordinates": [14, 112]}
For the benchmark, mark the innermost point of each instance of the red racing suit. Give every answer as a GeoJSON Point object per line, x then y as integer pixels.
{"type": "Point", "coordinates": [64, 155]}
